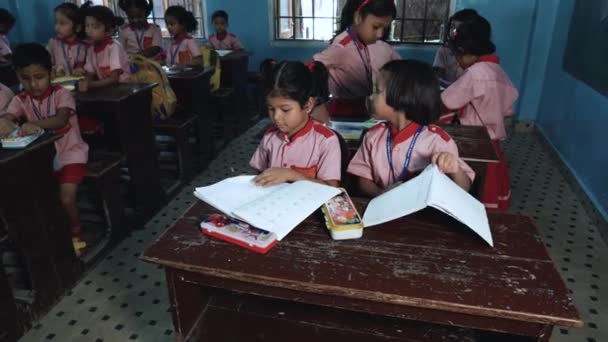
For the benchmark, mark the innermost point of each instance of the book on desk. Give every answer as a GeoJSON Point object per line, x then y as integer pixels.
{"type": "Point", "coordinates": [19, 140]}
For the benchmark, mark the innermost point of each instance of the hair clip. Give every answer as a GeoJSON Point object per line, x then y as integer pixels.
{"type": "Point", "coordinates": [311, 66]}
{"type": "Point", "coordinates": [363, 4]}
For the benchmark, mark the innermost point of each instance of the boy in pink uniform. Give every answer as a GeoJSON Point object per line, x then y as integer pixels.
{"type": "Point", "coordinates": [44, 106]}
{"type": "Point", "coordinates": [68, 51]}
{"type": "Point", "coordinates": [7, 21]}
{"type": "Point", "coordinates": [183, 49]}
{"type": "Point", "coordinates": [140, 37]}
{"type": "Point", "coordinates": [222, 39]}
{"type": "Point", "coordinates": [357, 53]}
{"type": "Point", "coordinates": [296, 147]}
{"type": "Point", "coordinates": [392, 152]}
{"type": "Point", "coordinates": [483, 96]}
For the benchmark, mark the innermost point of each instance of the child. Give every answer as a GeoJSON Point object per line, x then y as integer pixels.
{"type": "Point", "coordinates": [320, 92]}
{"type": "Point", "coordinates": [445, 64]}
{"type": "Point", "coordinates": [483, 96]}
{"type": "Point", "coordinates": [68, 51]}
{"type": "Point", "coordinates": [407, 97]}
{"type": "Point", "coordinates": [357, 53]}
{"type": "Point", "coordinates": [44, 106]}
{"type": "Point", "coordinates": [6, 95]}
{"type": "Point", "coordinates": [139, 36]}
{"type": "Point", "coordinates": [107, 62]}
{"type": "Point", "coordinates": [296, 147]}
{"type": "Point", "coordinates": [222, 40]}
{"type": "Point", "coordinates": [183, 49]}
{"type": "Point", "coordinates": [7, 21]}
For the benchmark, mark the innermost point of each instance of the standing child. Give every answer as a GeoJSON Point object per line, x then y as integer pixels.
{"type": "Point", "coordinates": [7, 21]}
{"type": "Point", "coordinates": [357, 53]}
{"type": "Point", "coordinates": [483, 96]}
{"type": "Point", "coordinates": [407, 97]}
{"type": "Point", "coordinates": [222, 40]}
{"type": "Point", "coordinates": [139, 37]}
{"type": "Point", "coordinates": [44, 106]}
{"type": "Point", "coordinates": [68, 51]}
{"type": "Point", "coordinates": [107, 62]}
{"type": "Point", "coordinates": [183, 49]}
{"type": "Point", "coordinates": [296, 147]}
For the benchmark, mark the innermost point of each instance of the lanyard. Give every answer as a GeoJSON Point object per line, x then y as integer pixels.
{"type": "Point", "coordinates": [408, 156]}
{"type": "Point", "coordinates": [140, 39]}
{"type": "Point", "coordinates": [65, 56]}
{"type": "Point", "coordinates": [174, 53]}
{"type": "Point", "coordinates": [37, 109]}
{"type": "Point", "coordinates": [367, 62]}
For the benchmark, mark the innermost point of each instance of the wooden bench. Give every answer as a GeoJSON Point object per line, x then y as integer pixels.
{"type": "Point", "coordinates": [180, 127]}
{"type": "Point", "coordinates": [224, 107]}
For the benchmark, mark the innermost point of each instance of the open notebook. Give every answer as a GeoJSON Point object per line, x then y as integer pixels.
{"type": "Point", "coordinates": [17, 140]}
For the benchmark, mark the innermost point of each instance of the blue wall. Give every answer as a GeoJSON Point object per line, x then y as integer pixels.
{"type": "Point", "coordinates": [35, 20]}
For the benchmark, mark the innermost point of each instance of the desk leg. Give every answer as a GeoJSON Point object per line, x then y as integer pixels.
{"type": "Point", "coordinates": [200, 103]}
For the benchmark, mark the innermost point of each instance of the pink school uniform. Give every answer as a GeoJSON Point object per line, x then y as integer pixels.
{"type": "Point", "coordinates": [105, 57]}
{"type": "Point", "coordinates": [72, 151]}
{"type": "Point", "coordinates": [353, 69]}
{"type": "Point", "coordinates": [68, 54]}
{"type": "Point", "coordinates": [226, 41]}
{"type": "Point", "coordinates": [135, 41]}
{"type": "Point", "coordinates": [484, 96]}
{"type": "Point", "coordinates": [5, 49]}
{"type": "Point", "coordinates": [6, 95]}
{"type": "Point", "coordinates": [372, 160]}
{"type": "Point", "coordinates": [313, 151]}
{"type": "Point", "coordinates": [444, 58]}
{"type": "Point", "coordinates": [182, 50]}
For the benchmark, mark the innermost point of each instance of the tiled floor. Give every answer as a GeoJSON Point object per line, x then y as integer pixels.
{"type": "Point", "coordinates": [125, 299]}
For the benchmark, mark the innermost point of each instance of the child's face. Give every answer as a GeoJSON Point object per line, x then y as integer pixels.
{"type": "Point", "coordinates": [371, 28]}
{"type": "Point", "coordinates": [95, 29]}
{"type": "Point", "coordinates": [173, 26]}
{"type": "Point", "coordinates": [35, 79]}
{"type": "Point", "coordinates": [64, 26]}
{"type": "Point", "coordinates": [220, 25]}
{"type": "Point", "coordinates": [137, 17]}
{"type": "Point", "coordinates": [381, 110]}
{"type": "Point", "coordinates": [288, 115]}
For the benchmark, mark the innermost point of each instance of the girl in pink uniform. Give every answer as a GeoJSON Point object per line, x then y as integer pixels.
{"type": "Point", "coordinates": [139, 37]}
{"type": "Point", "coordinates": [357, 53]}
{"type": "Point", "coordinates": [183, 49]}
{"type": "Point", "coordinates": [68, 51]}
{"type": "Point", "coordinates": [483, 96]}
{"type": "Point", "coordinates": [43, 106]}
{"type": "Point", "coordinates": [407, 97]}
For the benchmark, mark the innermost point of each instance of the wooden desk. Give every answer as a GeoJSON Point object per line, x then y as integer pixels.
{"type": "Point", "coordinates": [422, 268]}
{"type": "Point", "coordinates": [234, 74]}
{"type": "Point", "coordinates": [125, 111]}
{"type": "Point", "coordinates": [38, 226]}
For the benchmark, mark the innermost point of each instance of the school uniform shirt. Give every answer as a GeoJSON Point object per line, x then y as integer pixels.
{"type": "Point", "coordinates": [105, 57]}
{"type": "Point", "coordinates": [6, 95]}
{"type": "Point", "coordinates": [346, 62]}
{"type": "Point", "coordinates": [68, 54]}
{"type": "Point", "coordinates": [313, 151]}
{"type": "Point", "coordinates": [484, 96]}
{"type": "Point", "coordinates": [71, 149]}
{"type": "Point", "coordinates": [372, 160]}
{"type": "Point", "coordinates": [5, 49]}
{"type": "Point", "coordinates": [182, 50]}
{"type": "Point", "coordinates": [226, 41]}
{"type": "Point", "coordinates": [444, 58]}
{"type": "Point", "coordinates": [135, 41]}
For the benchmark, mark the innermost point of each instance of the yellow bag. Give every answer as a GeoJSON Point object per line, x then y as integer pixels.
{"type": "Point", "coordinates": [145, 70]}
{"type": "Point", "coordinates": [209, 55]}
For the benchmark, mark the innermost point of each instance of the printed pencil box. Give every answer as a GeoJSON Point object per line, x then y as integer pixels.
{"type": "Point", "coordinates": [341, 218]}
{"type": "Point", "coordinates": [238, 232]}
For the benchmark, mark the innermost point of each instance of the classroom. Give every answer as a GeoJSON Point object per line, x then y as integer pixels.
{"type": "Point", "coordinates": [303, 170]}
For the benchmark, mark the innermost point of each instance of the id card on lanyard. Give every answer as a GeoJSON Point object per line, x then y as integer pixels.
{"type": "Point", "coordinates": [66, 58]}
{"type": "Point", "coordinates": [367, 61]}
{"type": "Point", "coordinates": [408, 157]}
{"type": "Point", "coordinates": [175, 52]}
{"type": "Point", "coordinates": [140, 39]}
{"type": "Point", "coordinates": [38, 113]}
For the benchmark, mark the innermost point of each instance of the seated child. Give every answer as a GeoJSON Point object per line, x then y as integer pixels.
{"type": "Point", "coordinates": [7, 21]}
{"type": "Point", "coordinates": [296, 147]}
{"type": "Point", "coordinates": [68, 51]}
{"type": "Point", "coordinates": [445, 64]}
{"type": "Point", "coordinates": [44, 106]}
{"type": "Point", "coordinates": [183, 49]}
{"type": "Point", "coordinates": [222, 40]}
{"type": "Point", "coordinates": [139, 37]}
{"type": "Point", "coordinates": [6, 95]}
{"type": "Point", "coordinates": [407, 97]}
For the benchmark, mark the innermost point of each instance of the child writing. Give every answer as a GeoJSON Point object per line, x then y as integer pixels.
{"type": "Point", "coordinates": [139, 36]}
{"type": "Point", "coordinates": [295, 147]}
{"type": "Point", "coordinates": [183, 49]}
{"type": "Point", "coordinates": [222, 40]}
{"type": "Point", "coordinates": [48, 107]}
{"type": "Point", "coordinates": [407, 97]}
{"type": "Point", "coordinates": [68, 51]}
{"type": "Point", "coordinates": [7, 21]}
{"type": "Point", "coordinates": [107, 62]}
{"type": "Point", "coordinates": [483, 96]}
{"type": "Point", "coordinates": [357, 53]}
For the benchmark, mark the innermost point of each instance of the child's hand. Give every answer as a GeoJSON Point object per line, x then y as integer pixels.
{"type": "Point", "coordinates": [6, 127]}
{"type": "Point", "coordinates": [29, 129]}
{"type": "Point", "coordinates": [276, 175]}
{"type": "Point", "coordinates": [391, 187]}
{"type": "Point", "coordinates": [83, 85]}
{"type": "Point", "coordinates": [78, 72]}
{"type": "Point", "coordinates": [447, 162]}
{"type": "Point", "coordinates": [59, 71]}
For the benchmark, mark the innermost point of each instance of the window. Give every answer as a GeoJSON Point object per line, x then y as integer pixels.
{"type": "Point", "coordinates": [417, 21]}
{"type": "Point", "coordinates": [158, 14]}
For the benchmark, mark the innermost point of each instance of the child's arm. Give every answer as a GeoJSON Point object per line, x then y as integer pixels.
{"type": "Point", "coordinates": [152, 51]}
{"type": "Point", "coordinates": [57, 121]}
{"type": "Point", "coordinates": [195, 52]}
{"type": "Point", "coordinates": [449, 164]}
{"type": "Point", "coordinates": [277, 175]}
{"type": "Point", "coordinates": [112, 79]}
{"type": "Point", "coordinates": [7, 124]}
{"type": "Point", "coordinates": [368, 187]}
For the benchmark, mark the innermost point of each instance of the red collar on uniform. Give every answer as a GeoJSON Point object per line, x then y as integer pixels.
{"type": "Point", "coordinates": [69, 42]}
{"type": "Point", "coordinates": [134, 28]}
{"type": "Point", "coordinates": [489, 58]}
{"type": "Point", "coordinates": [222, 36]}
{"type": "Point", "coordinates": [180, 37]}
{"type": "Point", "coordinates": [404, 134]}
{"type": "Point", "coordinates": [349, 37]}
{"type": "Point", "coordinates": [301, 132]}
{"type": "Point", "coordinates": [102, 45]}
{"type": "Point", "coordinates": [44, 95]}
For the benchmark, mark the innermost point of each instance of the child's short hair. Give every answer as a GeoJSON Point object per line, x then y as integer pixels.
{"type": "Point", "coordinates": [473, 37]}
{"type": "Point", "coordinates": [104, 15]}
{"type": "Point", "coordinates": [220, 14]}
{"type": "Point", "coordinates": [379, 8]}
{"type": "Point", "coordinates": [320, 81]}
{"type": "Point", "coordinates": [147, 5]}
{"type": "Point", "coordinates": [7, 17]}
{"type": "Point", "coordinates": [31, 53]}
{"type": "Point", "coordinates": [288, 79]}
{"type": "Point", "coordinates": [412, 88]}
{"type": "Point", "coordinates": [183, 16]}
